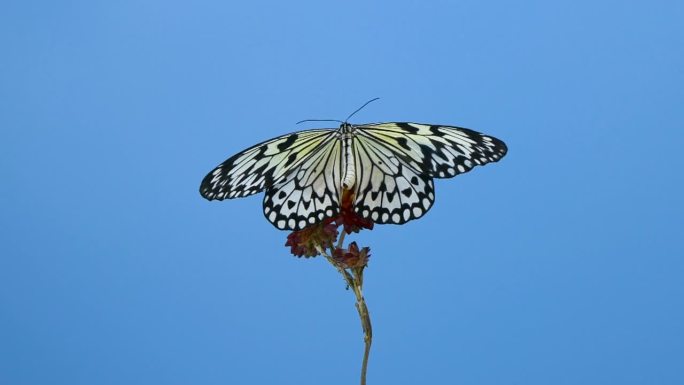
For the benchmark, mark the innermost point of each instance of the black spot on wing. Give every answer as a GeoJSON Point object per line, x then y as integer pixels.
{"type": "Point", "coordinates": [390, 196]}
{"type": "Point", "coordinates": [288, 142]}
{"type": "Point", "coordinates": [407, 127]}
{"type": "Point", "coordinates": [403, 142]}
{"type": "Point", "coordinates": [290, 160]}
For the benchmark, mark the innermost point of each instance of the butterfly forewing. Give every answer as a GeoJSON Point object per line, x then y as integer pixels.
{"type": "Point", "coordinates": [262, 165]}
{"type": "Point", "coordinates": [437, 151]}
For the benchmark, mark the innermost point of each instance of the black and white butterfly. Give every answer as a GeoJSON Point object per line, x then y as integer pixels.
{"type": "Point", "coordinates": [389, 167]}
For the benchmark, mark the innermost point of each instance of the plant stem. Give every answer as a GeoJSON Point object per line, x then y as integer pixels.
{"type": "Point", "coordinates": [365, 322]}
{"type": "Point", "coordinates": [354, 280]}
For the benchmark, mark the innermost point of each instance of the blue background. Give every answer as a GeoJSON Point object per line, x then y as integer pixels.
{"type": "Point", "coordinates": [562, 264]}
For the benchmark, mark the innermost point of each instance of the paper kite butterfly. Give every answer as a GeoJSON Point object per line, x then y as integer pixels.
{"type": "Point", "coordinates": [389, 167]}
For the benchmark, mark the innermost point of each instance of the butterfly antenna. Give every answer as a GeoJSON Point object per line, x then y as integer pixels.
{"type": "Point", "coordinates": [319, 120]}
{"type": "Point", "coordinates": [360, 108]}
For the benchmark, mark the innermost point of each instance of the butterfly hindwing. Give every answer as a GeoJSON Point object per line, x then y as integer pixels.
{"type": "Point", "coordinates": [309, 192]}
{"type": "Point", "coordinates": [388, 190]}
{"type": "Point", "coordinates": [262, 165]}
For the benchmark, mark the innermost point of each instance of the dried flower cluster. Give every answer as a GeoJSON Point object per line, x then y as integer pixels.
{"type": "Point", "coordinates": [307, 242]}
{"type": "Point", "coordinates": [352, 257]}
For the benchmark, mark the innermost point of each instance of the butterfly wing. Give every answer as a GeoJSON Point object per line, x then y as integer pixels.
{"type": "Point", "coordinates": [263, 165]}
{"type": "Point", "coordinates": [308, 193]}
{"type": "Point", "coordinates": [388, 190]}
{"type": "Point", "coordinates": [397, 161]}
{"type": "Point", "coordinates": [437, 151]}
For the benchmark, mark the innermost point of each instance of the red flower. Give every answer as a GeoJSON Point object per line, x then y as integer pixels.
{"type": "Point", "coordinates": [352, 257]}
{"type": "Point", "coordinates": [305, 242]}
{"type": "Point", "coordinates": [323, 235]}
{"type": "Point", "coordinates": [348, 218]}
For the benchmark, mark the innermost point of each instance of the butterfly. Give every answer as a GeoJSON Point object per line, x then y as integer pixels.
{"type": "Point", "coordinates": [389, 168]}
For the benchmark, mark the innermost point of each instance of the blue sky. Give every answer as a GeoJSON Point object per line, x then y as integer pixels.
{"type": "Point", "coordinates": [561, 264]}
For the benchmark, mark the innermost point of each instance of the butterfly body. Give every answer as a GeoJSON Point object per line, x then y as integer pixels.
{"type": "Point", "coordinates": [346, 135]}
{"type": "Point", "coordinates": [389, 168]}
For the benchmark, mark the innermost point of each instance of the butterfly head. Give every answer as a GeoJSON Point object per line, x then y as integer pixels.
{"type": "Point", "coordinates": [346, 128]}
